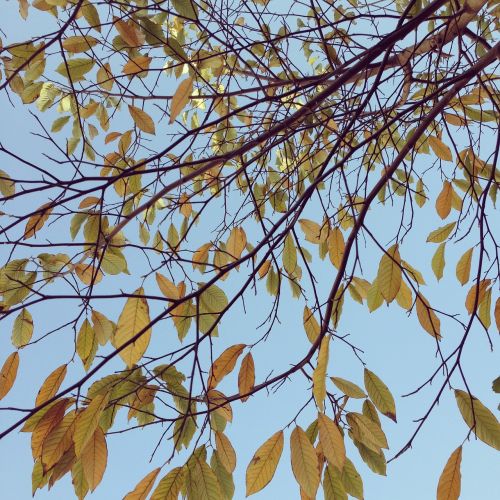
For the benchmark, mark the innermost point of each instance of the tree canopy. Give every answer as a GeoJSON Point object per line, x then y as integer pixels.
{"type": "Point", "coordinates": [212, 163]}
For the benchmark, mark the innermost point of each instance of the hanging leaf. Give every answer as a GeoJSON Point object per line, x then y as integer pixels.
{"type": "Point", "coordinates": [224, 364]}
{"type": "Point", "coordinates": [94, 459]}
{"type": "Point", "coordinates": [246, 376]}
{"type": "Point", "coordinates": [441, 150]}
{"type": "Point", "coordinates": [332, 484]}
{"type": "Point", "coordinates": [133, 320]}
{"type": "Point", "coordinates": [367, 431]}
{"type": "Point", "coordinates": [22, 330]}
{"type": "Point", "coordinates": [186, 8]}
{"type": "Point", "coordinates": [142, 120]}
{"type": "Point", "coordinates": [51, 385]}
{"type": "Point", "coordinates": [181, 98]}
{"type": "Point", "coordinates": [201, 482]}
{"type": "Point", "coordinates": [353, 484]}
{"type": "Point", "coordinates": [263, 465]}
{"type": "Point", "coordinates": [389, 274]}
{"type": "Point", "coordinates": [439, 235]}
{"type": "Point", "coordinates": [304, 462]}
{"type": "Point", "coordinates": [348, 388]}
{"type": "Point", "coordinates": [225, 451]}
{"type": "Point", "coordinates": [58, 441]}
{"type": "Point", "coordinates": [312, 230]}
{"type": "Point", "coordinates": [380, 395]}
{"type": "Point", "coordinates": [87, 422]}
{"type": "Point", "coordinates": [311, 325]}
{"type": "Point", "coordinates": [289, 255]}
{"type": "Point", "coordinates": [479, 419]}
{"type": "Point", "coordinates": [144, 486]}
{"type": "Point", "coordinates": [331, 441]}
{"type": "Point", "coordinates": [8, 373]}
{"type": "Point", "coordinates": [169, 487]}
{"type": "Point", "coordinates": [76, 44]}
{"type": "Point", "coordinates": [476, 295]}
{"type": "Point", "coordinates": [438, 261]}
{"type": "Point", "coordinates": [463, 266]}
{"type": "Point", "coordinates": [37, 221]}
{"type": "Point", "coordinates": [336, 246]}
{"type": "Point", "coordinates": [427, 317]}
{"type": "Point", "coordinates": [450, 479]}
{"type": "Point", "coordinates": [319, 375]}
{"type": "Point", "coordinates": [75, 69]}
{"type": "Point", "coordinates": [443, 201]}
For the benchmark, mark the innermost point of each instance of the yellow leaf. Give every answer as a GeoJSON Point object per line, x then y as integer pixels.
{"type": "Point", "coordinates": [144, 486]}
{"type": "Point", "coordinates": [443, 201]}
{"type": "Point", "coordinates": [304, 462]}
{"type": "Point", "coordinates": [51, 385]}
{"type": "Point", "coordinates": [87, 422]}
{"type": "Point", "coordinates": [479, 418]}
{"type": "Point", "coordinates": [75, 44]}
{"type": "Point", "coordinates": [319, 374]}
{"type": "Point", "coordinates": [336, 246]}
{"type": "Point", "coordinates": [43, 428]}
{"type": "Point", "coordinates": [440, 234]}
{"type": "Point", "coordinates": [367, 431]}
{"type": "Point", "coordinates": [201, 482]}
{"type": "Point", "coordinates": [348, 388]}
{"type": "Point", "coordinates": [332, 484]}
{"type": "Point", "coordinates": [142, 119]}
{"type": "Point", "coordinates": [181, 98]}
{"type": "Point", "coordinates": [22, 330]}
{"type": "Point", "coordinates": [311, 229]}
{"type": "Point", "coordinates": [331, 441]}
{"type": "Point", "coordinates": [263, 465]}
{"type": "Point", "coordinates": [404, 297]}
{"type": "Point", "coordinates": [105, 78]}
{"type": "Point", "coordinates": [463, 266]}
{"type": "Point", "coordinates": [427, 317]}
{"type": "Point", "coordinates": [380, 395]}
{"type": "Point", "coordinates": [86, 343]}
{"type": "Point", "coordinates": [133, 320]}
{"type": "Point", "coordinates": [471, 300]}
{"type": "Point", "coordinates": [225, 450]}
{"type": "Point", "coordinates": [89, 201]}
{"type": "Point", "coordinates": [103, 327]}
{"type": "Point", "coordinates": [246, 376]}
{"type": "Point", "coordinates": [236, 242]}
{"type": "Point", "coordinates": [169, 487]}
{"type": "Point", "coordinates": [450, 480]}
{"type": "Point", "coordinates": [94, 458]}
{"type": "Point", "coordinates": [36, 221]}
{"type": "Point", "coordinates": [129, 32]}
{"type": "Point", "coordinates": [311, 325]}
{"type": "Point", "coordinates": [8, 373]}
{"type": "Point", "coordinates": [167, 288]}
{"type": "Point", "coordinates": [497, 313]}
{"type": "Point", "coordinates": [58, 441]}
{"type": "Point", "coordinates": [441, 150]}
{"type": "Point", "coordinates": [136, 65]}
{"type": "Point", "coordinates": [438, 261]}
{"type": "Point", "coordinates": [224, 364]}
{"type": "Point", "coordinates": [289, 255]}
{"type": "Point", "coordinates": [389, 274]}
{"type": "Point", "coordinates": [88, 274]}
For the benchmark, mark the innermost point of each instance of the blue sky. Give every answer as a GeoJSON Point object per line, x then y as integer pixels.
{"type": "Point", "coordinates": [395, 348]}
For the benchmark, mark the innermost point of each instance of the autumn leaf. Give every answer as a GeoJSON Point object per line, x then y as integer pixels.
{"type": "Point", "coordinates": [246, 376]}
{"type": "Point", "coordinates": [144, 486]}
{"type": "Point", "coordinates": [304, 462]}
{"type": "Point", "coordinates": [87, 422]}
{"type": "Point", "coordinates": [51, 385]}
{"type": "Point", "coordinates": [133, 320]}
{"type": "Point", "coordinates": [331, 441]}
{"type": "Point", "coordinates": [143, 121]}
{"type": "Point", "coordinates": [450, 479]}
{"type": "Point", "coordinates": [263, 465]}
{"type": "Point", "coordinates": [8, 373]}
{"type": "Point", "coordinates": [169, 486]}
{"type": "Point", "coordinates": [37, 221]}
{"type": "Point", "coordinates": [479, 418]}
{"type": "Point", "coordinates": [94, 458]}
{"type": "Point", "coordinates": [319, 374]}
{"type": "Point", "coordinates": [225, 451]}
{"type": "Point", "coordinates": [427, 317]}
{"type": "Point", "coordinates": [380, 395]}
{"type": "Point", "coordinates": [181, 98]}
{"type": "Point", "coordinates": [389, 274]}
{"type": "Point", "coordinates": [441, 150]}
{"type": "Point", "coordinates": [224, 364]}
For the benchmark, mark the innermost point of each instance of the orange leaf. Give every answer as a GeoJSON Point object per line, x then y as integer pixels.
{"type": "Point", "coordinates": [8, 373]}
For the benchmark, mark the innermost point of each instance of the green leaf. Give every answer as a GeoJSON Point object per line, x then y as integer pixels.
{"type": "Point", "coordinates": [186, 8]}
{"type": "Point", "coordinates": [22, 331]}
{"type": "Point", "coordinates": [332, 484]}
{"type": "Point", "coordinates": [353, 484]}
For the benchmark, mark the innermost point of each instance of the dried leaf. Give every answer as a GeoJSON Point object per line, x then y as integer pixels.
{"type": "Point", "coordinates": [450, 479]}
{"type": "Point", "coordinates": [246, 376]}
{"type": "Point", "coordinates": [181, 98]}
{"type": "Point", "coordinates": [8, 373]}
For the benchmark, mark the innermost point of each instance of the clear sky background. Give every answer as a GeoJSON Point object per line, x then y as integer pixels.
{"type": "Point", "coordinates": [395, 348]}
